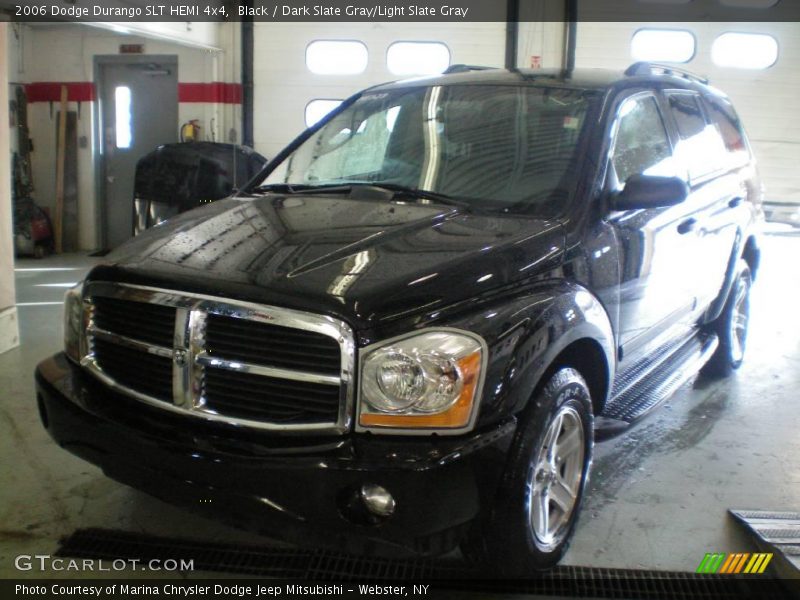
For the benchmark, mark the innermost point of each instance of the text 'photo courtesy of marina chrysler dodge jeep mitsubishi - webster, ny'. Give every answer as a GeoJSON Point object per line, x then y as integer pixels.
{"type": "Point", "coordinates": [407, 332]}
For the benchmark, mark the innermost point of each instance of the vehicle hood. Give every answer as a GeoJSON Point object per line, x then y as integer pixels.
{"type": "Point", "coordinates": [363, 261]}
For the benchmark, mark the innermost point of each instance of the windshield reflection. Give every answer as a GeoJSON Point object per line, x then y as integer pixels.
{"type": "Point", "coordinates": [493, 146]}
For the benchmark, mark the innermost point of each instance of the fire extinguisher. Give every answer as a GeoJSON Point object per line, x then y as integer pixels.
{"type": "Point", "coordinates": [190, 131]}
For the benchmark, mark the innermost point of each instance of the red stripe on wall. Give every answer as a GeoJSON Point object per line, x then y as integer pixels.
{"type": "Point", "coordinates": [217, 91]}
{"type": "Point", "coordinates": [84, 91]}
{"type": "Point", "coordinates": [50, 91]}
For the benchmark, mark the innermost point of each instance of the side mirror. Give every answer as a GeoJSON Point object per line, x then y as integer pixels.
{"type": "Point", "coordinates": [645, 191]}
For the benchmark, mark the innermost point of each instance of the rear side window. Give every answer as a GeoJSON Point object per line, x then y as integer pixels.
{"type": "Point", "coordinates": [642, 146]}
{"type": "Point", "coordinates": [730, 128]}
{"type": "Point", "coordinates": [688, 114]}
{"type": "Point", "coordinates": [701, 149]}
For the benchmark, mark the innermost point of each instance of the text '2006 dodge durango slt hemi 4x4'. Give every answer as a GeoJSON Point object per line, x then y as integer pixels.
{"type": "Point", "coordinates": [405, 334]}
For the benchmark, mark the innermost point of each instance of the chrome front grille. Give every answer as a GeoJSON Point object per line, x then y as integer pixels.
{"type": "Point", "coordinates": [259, 366]}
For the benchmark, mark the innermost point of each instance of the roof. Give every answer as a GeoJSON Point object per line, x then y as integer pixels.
{"type": "Point", "coordinates": [591, 79]}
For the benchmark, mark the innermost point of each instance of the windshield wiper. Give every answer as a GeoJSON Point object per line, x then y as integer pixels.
{"type": "Point", "coordinates": [295, 188]}
{"type": "Point", "coordinates": [345, 187]}
{"type": "Point", "coordinates": [420, 194]}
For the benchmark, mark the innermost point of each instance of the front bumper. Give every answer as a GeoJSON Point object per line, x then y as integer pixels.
{"type": "Point", "coordinates": [292, 488]}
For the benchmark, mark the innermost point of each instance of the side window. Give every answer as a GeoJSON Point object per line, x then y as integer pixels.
{"type": "Point", "coordinates": [730, 128]}
{"type": "Point", "coordinates": [701, 148]}
{"type": "Point", "coordinates": [642, 146]}
{"type": "Point", "coordinates": [688, 114]}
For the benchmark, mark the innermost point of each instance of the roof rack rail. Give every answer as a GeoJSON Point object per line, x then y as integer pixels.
{"type": "Point", "coordinates": [466, 68]}
{"type": "Point", "coordinates": [647, 68]}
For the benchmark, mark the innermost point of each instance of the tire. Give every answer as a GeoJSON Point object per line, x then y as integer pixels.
{"type": "Point", "coordinates": [514, 539]}
{"type": "Point", "coordinates": [731, 326]}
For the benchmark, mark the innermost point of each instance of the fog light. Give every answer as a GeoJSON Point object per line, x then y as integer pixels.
{"type": "Point", "coordinates": [377, 500]}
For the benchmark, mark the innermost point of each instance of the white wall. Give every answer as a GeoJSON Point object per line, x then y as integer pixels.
{"type": "Point", "coordinates": [65, 53]}
{"type": "Point", "coordinates": [9, 331]}
{"type": "Point", "coordinates": [201, 35]}
{"type": "Point", "coordinates": [283, 84]}
{"type": "Point", "coordinates": [544, 39]}
{"type": "Point", "coordinates": [766, 100]}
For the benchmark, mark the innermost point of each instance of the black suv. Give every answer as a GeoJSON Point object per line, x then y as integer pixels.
{"type": "Point", "coordinates": [406, 333]}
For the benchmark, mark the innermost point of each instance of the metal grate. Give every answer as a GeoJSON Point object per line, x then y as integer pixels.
{"type": "Point", "coordinates": [647, 393]}
{"type": "Point", "coordinates": [634, 373]}
{"type": "Point", "coordinates": [264, 344]}
{"type": "Point", "coordinates": [152, 323]}
{"type": "Point", "coordinates": [767, 515]}
{"type": "Point", "coordinates": [324, 566]}
{"type": "Point", "coordinates": [777, 532]}
{"type": "Point", "coordinates": [142, 372]}
{"type": "Point", "coordinates": [269, 399]}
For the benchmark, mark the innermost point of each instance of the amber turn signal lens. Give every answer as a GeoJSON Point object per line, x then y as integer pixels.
{"type": "Point", "coordinates": [458, 415]}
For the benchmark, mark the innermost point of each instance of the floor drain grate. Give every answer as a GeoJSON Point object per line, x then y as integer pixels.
{"type": "Point", "coordinates": [324, 566]}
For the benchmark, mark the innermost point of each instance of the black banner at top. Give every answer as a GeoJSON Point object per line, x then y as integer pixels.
{"type": "Point", "coordinates": [278, 11]}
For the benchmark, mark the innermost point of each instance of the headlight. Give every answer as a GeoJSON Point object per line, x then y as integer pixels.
{"type": "Point", "coordinates": [73, 322]}
{"type": "Point", "coordinates": [428, 381]}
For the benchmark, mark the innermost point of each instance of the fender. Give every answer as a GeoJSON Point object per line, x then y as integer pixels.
{"type": "Point", "coordinates": [738, 251]}
{"type": "Point", "coordinates": [526, 334]}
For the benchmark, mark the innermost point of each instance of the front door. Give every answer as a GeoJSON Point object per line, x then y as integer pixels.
{"type": "Point", "coordinates": [656, 254]}
{"type": "Point", "coordinates": [138, 112]}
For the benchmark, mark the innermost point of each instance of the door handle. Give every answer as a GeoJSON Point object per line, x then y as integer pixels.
{"type": "Point", "coordinates": [734, 202]}
{"type": "Point", "coordinates": [687, 226]}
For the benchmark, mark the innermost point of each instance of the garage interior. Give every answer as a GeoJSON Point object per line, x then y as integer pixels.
{"type": "Point", "coordinates": [660, 493]}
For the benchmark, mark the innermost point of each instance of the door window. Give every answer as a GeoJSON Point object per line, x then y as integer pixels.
{"type": "Point", "coordinates": [701, 147]}
{"type": "Point", "coordinates": [688, 115]}
{"type": "Point", "coordinates": [642, 146]}
{"type": "Point", "coordinates": [122, 110]}
{"type": "Point", "coordinates": [724, 117]}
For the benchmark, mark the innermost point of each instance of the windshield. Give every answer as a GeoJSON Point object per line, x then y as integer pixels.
{"type": "Point", "coordinates": [490, 146]}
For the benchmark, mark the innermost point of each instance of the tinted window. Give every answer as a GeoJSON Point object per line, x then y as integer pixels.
{"type": "Point", "coordinates": [642, 146]}
{"type": "Point", "coordinates": [701, 149]}
{"type": "Point", "coordinates": [688, 114]}
{"type": "Point", "coordinates": [723, 115]}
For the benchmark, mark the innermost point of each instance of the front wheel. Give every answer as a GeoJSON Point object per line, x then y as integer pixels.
{"type": "Point", "coordinates": [731, 326]}
{"type": "Point", "coordinates": [537, 506]}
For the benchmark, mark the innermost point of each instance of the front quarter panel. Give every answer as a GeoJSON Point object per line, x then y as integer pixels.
{"type": "Point", "coordinates": [525, 333]}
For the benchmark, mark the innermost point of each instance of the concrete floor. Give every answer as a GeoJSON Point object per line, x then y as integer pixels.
{"type": "Point", "coordinates": [658, 495]}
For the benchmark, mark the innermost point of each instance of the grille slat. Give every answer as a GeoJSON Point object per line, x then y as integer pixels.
{"type": "Point", "coordinates": [233, 336]}
{"type": "Point", "coordinates": [286, 355]}
{"type": "Point", "coordinates": [286, 362]}
{"type": "Point", "coordinates": [126, 365]}
{"type": "Point", "coordinates": [258, 382]}
{"type": "Point", "coordinates": [281, 402]}
{"type": "Point", "coordinates": [152, 323]}
{"type": "Point", "coordinates": [272, 345]}
{"type": "Point", "coordinates": [230, 394]}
